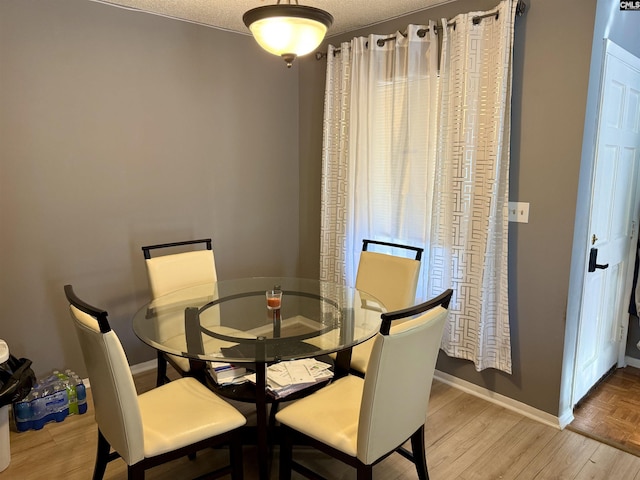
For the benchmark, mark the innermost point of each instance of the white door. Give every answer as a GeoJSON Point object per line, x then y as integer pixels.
{"type": "Point", "coordinates": [612, 224]}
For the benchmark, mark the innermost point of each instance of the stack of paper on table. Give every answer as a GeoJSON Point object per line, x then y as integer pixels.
{"type": "Point", "coordinates": [285, 378]}
{"type": "Point", "coordinates": [224, 373]}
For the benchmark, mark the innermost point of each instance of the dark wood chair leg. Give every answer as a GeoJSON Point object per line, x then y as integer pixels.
{"type": "Point", "coordinates": [365, 472]}
{"type": "Point", "coordinates": [135, 472]}
{"type": "Point", "coordinates": [102, 457]}
{"type": "Point", "coordinates": [419, 455]}
{"type": "Point", "coordinates": [235, 457]}
{"type": "Point", "coordinates": [286, 451]}
{"type": "Point", "coordinates": [162, 370]}
{"type": "Point", "coordinates": [272, 414]}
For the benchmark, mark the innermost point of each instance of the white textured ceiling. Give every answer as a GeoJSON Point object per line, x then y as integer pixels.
{"type": "Point", "coordinates": [348, 15]}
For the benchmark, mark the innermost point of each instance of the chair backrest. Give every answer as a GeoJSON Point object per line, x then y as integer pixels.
{"type": "Point", "coordinates": [168, 273]}
{"type": "Point", "coordinates": [114, 394]}
{"type": "Point", "coordinates": [389, 278]}
{"type": "Point", "coordinates": [399, 376]}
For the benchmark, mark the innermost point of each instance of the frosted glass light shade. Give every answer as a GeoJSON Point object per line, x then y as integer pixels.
{"type": "Point", "coordinates": [288, 30]}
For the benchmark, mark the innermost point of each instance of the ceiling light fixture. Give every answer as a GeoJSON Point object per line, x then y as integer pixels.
{"type": "Point", "coordinates": [288, 31]}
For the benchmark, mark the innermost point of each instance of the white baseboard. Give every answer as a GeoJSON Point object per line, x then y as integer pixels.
{"type": "Point", "coordinates": [501, 400]}
{"type": "Point", "coordinates": [566, 418]}
{"type": "Point", "coordinates": [144, 366]}
{"type": "Point", "coordinates": [137, 368]}
{"type": "Point", "coordinates": [632, 362]}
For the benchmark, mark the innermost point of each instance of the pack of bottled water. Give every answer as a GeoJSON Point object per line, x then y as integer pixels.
{"type": "Point", "coordinates": [52, 398]}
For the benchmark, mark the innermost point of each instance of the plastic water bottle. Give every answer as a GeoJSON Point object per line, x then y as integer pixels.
{"type": "Point", "coordinates": [81, 393]}
{"type": "Point", "coordinates": [23, 415]}
{"type": "Point", "coordinates": [65, 382]}
{"type": "Point", "coordinates": [70, 386]}
{"type": "Point", "coordinates": [72, 398]}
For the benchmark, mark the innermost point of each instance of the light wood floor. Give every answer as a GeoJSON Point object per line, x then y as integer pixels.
{"type": "Point", "coordinates": [467, 438]}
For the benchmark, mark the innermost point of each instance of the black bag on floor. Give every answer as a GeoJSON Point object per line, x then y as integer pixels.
{"type": "Point", "coordinates": [16, 380]}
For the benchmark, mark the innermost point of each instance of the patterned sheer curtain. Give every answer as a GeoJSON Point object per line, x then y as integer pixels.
{"type": "Point", "coordinates": [379, 145]}
{"type": "Point", "coordinates": [416, 156]}
{"type": "Point", "coordinates": [470, 215]}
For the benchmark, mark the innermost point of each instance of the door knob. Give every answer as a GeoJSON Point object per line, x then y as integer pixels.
{"type": "Point", "coordinates": [593, 256]}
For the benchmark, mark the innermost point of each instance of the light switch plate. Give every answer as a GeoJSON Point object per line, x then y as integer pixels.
{"type": "Point", "coordinates": [519, 212]}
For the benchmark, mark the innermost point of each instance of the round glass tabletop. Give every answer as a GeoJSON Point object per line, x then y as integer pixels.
{"type": "Point", "coordinates": [230, 321]}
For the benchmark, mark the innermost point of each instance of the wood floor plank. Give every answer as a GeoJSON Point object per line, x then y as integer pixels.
{"type": "Point", "coordinates": [461, 449]}
{"type": "Point", "coordinates": [451, 417]}
{"type": "Point", "coordinates": [441, 395]}
{"type": "Point", "coordinates": [562, 458]}
{"type": "Point", "coordinates": [609, 462]}
{"type": "Point", "coordinates": [513, 451]}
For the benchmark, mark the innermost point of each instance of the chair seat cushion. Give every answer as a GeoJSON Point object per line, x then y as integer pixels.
{"type": "Point", "coordinates": [338, 405]}
{"type": "Point", "coordinates": [183, 412]}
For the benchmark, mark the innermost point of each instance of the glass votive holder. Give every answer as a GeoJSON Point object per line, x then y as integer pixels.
{"type": "Point", "coordinates": [274, 299]}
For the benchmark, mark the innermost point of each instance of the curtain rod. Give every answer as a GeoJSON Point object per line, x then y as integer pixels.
{"type": "Point", "coordinates": [520, 9]}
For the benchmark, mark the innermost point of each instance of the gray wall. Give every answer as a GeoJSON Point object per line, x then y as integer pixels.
{"type": "Point", "coordinates": [120, 129]}
{"type": "Point", "coordinates": [551, 74]}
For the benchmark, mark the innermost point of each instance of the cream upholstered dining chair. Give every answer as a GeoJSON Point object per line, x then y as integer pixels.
{"type": "Point", "coordinates": [171, 272]}
{"type": "Point", "coordinates": [360, 421]}
{"type": "Point", "coordinates": [389, 278]}
{"type": "Point", "coordinates": [166, 423]}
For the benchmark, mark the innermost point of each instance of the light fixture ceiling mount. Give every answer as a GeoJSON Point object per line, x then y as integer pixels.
{"type": "Point", "coordinates": [288, 31]}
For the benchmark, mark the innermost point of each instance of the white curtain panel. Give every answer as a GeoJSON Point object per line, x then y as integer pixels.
{"type": "Point", "coordinates": [416, 156]}
{"type": "Point", "coordinates": [335, 150]}
{"type": "Point", "coordinates": [470, 214]}
{"type": "Point", "coordinates": [379, 145]}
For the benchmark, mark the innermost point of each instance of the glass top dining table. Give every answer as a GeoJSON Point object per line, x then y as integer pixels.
{"type": "Point", "coordinates": [228, 321]}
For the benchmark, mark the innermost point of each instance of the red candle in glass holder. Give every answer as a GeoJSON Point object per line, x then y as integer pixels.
{"type": "Point", "coordinates": [274, 299]}
{"type": "Point", "coordinates": [273, 302]}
